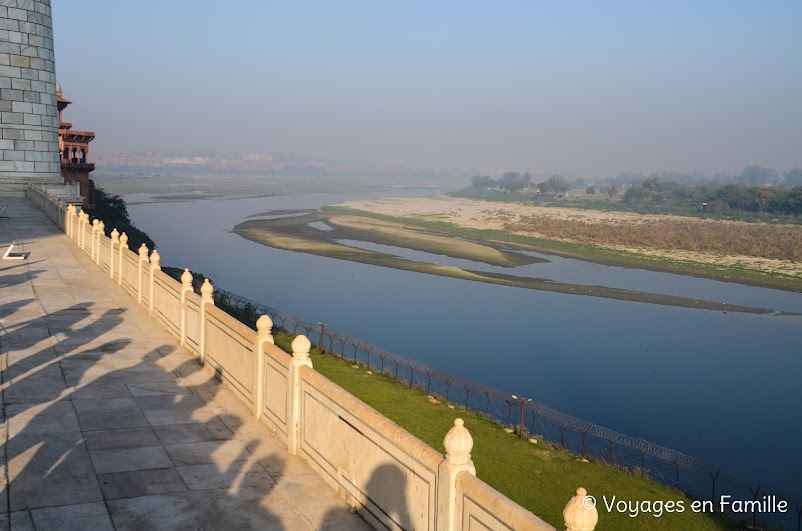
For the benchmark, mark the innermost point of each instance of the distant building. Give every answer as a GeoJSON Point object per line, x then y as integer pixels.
{"type": "Point", "coordinates": [74, 148]}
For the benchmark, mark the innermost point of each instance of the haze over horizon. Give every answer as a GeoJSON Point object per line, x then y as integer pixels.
{"type": "Point", "coordinates": [583, 89]}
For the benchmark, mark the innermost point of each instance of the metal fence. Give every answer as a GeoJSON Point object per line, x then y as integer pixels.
{"type": "Point", "coordinates": [531, 419]}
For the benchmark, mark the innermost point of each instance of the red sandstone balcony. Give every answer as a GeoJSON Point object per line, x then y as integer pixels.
{"type": "Point", "coordinates": [82, 167]}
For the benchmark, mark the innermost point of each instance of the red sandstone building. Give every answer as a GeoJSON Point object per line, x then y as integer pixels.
{"type": "Point", "coordinates": [74, 148]}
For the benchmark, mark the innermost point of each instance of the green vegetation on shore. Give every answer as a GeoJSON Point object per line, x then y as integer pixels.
{"type": "Point", "coordinates": [536, 476]}
{"type": "Point", "coordinates": [113, 210]}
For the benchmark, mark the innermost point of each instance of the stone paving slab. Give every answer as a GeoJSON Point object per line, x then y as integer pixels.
{"type": "Point", "coordinates": [109, 424]}
{"type": "Point", "coordinates": [73, 517]}
{"type": "Point", "coordinates": [46, 470]}
{"type": "Point", "coordinates": [234, 476]}
{"type": "Point", "coordinates": [120, 485]}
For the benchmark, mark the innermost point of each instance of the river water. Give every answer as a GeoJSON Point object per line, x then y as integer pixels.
{"type": "Point", "coordinates": [726, 388]}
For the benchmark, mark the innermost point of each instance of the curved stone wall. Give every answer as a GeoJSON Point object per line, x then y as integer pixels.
{"type": "Point", "coordinates": [28, 111]}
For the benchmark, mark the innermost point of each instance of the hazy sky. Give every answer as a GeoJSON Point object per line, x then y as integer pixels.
{"type": "Point", "coordinates": [589, 88]}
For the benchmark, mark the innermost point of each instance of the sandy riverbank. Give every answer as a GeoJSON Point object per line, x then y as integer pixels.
{"type": "Point", "coordinates": [517, 219]}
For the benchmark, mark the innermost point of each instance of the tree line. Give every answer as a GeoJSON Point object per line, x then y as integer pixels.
{"type": "Point", "coordinates": [750, 175]}
{"type": "Point", "coordinates": [513, 182]}
{"type": "Point", "coordinates": [114, 213]}
{"type": "Point", "coordinates": [757, 190]}
{"type": "Point", "coordinates": [716, 199]}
